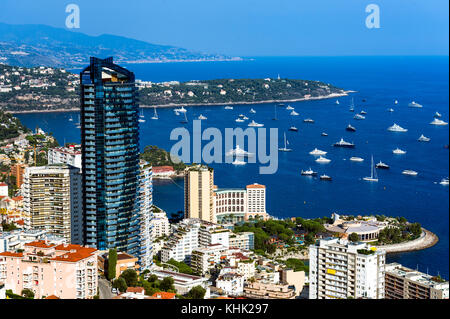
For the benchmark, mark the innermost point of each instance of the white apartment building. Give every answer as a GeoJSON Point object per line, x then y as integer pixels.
{"type": "Point", "coordinates": [245, 240]}
{"type": "Point", "coordinates": [53, 200]}
{"type": "Point", "coordinates": [204, 259]}
{"type": "Point", "coordinates": [339, 269]}
{"type": "Point", "coordinates": [210, 234]}
{"type": "Point", "coordinates": [65, 155]}
{"type": "Point", "coordinates": [182, 282]}
{"type": "Point", "coordinates": [256, 201]}
{"type": "Point", "coordinates": [231, 283]}
{"type": "Point", "coordinates": [160, 224]}
{"type": "Point", "coordinates": [182, 242]}
{"type": "Point", "coordinates": [16, 239]}
{"type": "Point", "coordinates": [146, 215]}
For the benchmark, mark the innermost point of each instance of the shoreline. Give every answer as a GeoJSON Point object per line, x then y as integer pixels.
{"type": "Point", "coordinates": [426, 240]}
{"type": "Point", "coordinates": [173, 105]}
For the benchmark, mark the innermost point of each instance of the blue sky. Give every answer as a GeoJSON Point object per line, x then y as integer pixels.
{"type": "Point", "coordinates": [255, 27]}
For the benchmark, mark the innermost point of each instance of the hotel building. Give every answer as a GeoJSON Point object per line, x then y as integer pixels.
{"type": "Point", "coordinates": [232, 205]}
{"type": "Point", "coordinates": [52, 199]}
{"type": "Point", "coordinates": [110, 157]}
{"type": "Point", "coordinates": [406, 283]}
{"type": "Point", "coordinates": [198, 193]}
{"type": "Point", "coordinates": [65, 271]}
{"type": "Point", "coordinates": [339, 269]}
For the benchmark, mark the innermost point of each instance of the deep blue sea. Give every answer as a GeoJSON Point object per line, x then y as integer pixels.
{"type": "Point", "coordinates": [379, 81]}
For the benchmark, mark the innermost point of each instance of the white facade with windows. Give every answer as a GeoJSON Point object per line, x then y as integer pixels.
{"type": "Point", "coordinates": [339, 269]}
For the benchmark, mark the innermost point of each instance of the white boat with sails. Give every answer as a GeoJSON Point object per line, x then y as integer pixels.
{"type": "Point", "coordinates": [254, 124]}
{"type": "Point", "coordinates": [423, 138]}
{"type": "Point", "coordinates": [437, 114]}
{"type": "Point", "coordinates": [70, 119]}
{"type": "Point", "coordinates": [202, 117]}
{"type": "Point", "coordinates": [398, 151]}
{"type": "Point", "coordinates": [289, 108]}
{"type": "Point", "coordinates": [181, 110]}
{"type": "Point", "coordinates": [323, 160]}
{"type": "Point", "coordinates": [286, 143]}
{"type": "Point", "coordinates": [293, 113]}
{"type": "Point", "coordinates": [141, 117]}
{"type": "Point", "coordinates": [155, 115]}
{"type": "Point", "coordinates": [252, 111]}
{"type": "Point", "coordinates": [317, 152]}
{"type": "Point", "coordinates": [337, 102]}
{"type": "Point", "coordinates": [397, 128]}
{"type": "Point", "coordinates": [438, 122]}
{"type": "Point", "coordinates": [373, 174]}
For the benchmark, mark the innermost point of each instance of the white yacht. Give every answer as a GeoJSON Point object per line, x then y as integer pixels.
{"type": "Point", "coordinates": [238, 162]}
{"type": "Point", "coordinates": [323, 160]}
{"type": "Point", "coordinates": [414, 104]}
{"type": "Point", "coordinates": [324, 134]}
{"type": "Point", "coordinates": [252, 111]}
{"type": "Point", "coordinates": [228, 107]}
{"type": "Point", "coordinates": [308, 172]}
{"type": "Point", "coordinates": [241, 115]}
{"type": "Point", "coordinates": [142, 113]}
{"type": "Point", "coordinates": [201, 117]}
{"type": "Point", "coordinates": [155, 116]}
{"type": "Point", "coordinates": [239, 120]}
{"type": "Point", "coordinates": [325, 177]}
{"type": "Point", "coordinates": [181, 110]}
{"type": "Point", "coordinates": [70, 119]}
{"type": "Point", "coordinates": [409, 172]}
{"type": "Point", "coordinates": [245, 117]}
{"type": "Point", "coordinates": [344, 144]}
{"type": "Point", "coordinates": [337, 102]}
{"type": "Point", "coordinates": [399, 151]}
{"type": "Point", "coordinates": [363, 112]}
{"type": "Point", "coordinates": [444, 181]}
{"type": "Point", "coordinates": [397, 128]}
{"type": "Point", "coordinates": [359, 117]}
{"type": "Point", "coordinates": [293, 113]}
{"type": "Point", "coordinates": [395, 102]}
{"type": "Point", "coordinates": [438, 122]}
{"type": "Point", "coordinates": [437, 114]}
{"type": "Point", "coordinates": [289, 108]}
{"type": "Point", "coordinates": [317, 152]}
{"type": "Point", "coordinates": [254, 124]}
{"type": "Point", "coordinates": [141, 120]}
{"type": "Point", "coordinates": [356, 159]}
{"type": "Point", "coordinates": [382, 165]}
{"type": "Point", "coordinates": [391, 110]}
{"type": "Point", "coordinates": [239, 152]}
{"type": "Point", "coordinates": [286, 143]}
{"type": "Point", "coordinates": [308, 120]}
{"type": "Point", "coordinates": [423, 138]}
{"type": "Point", "coordinates": [373, 174]}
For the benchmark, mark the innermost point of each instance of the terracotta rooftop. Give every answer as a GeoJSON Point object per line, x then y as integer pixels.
{"type": "Point", "coordinates": [40, 244]}
{"type": "Point", "coordinates": [164, 295]}
{"type": "Point", "coordinates": [256, 186]}
{"type": "Point", "coordinates": [136, 289]}
{"type": "Point", "coordinates": [11, 254]}
{"type": "Point", "coordinates": [52, 297]}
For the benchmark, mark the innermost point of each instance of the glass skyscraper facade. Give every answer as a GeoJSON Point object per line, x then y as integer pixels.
{"type": "Point", "coordinates": [110, 157]}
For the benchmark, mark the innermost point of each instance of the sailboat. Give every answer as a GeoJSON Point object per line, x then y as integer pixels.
{"type": "Point", "coordinates": [70, 119]}
{"type": "Point", "coordinates": [275, 118]}
{"type": "Point", "coordinates": [78, 125]}
{"type": "Point", "coordinates": [286, 142]}
{"type": "Point", "coordinates": [155, 116]}
{"type": "Point", "coordinates": [352, 106]}
{"type": "Point", "coordinates": [252, 111]}
{"type": "Point", "coordinates": [185, 119]}
{"type": "Point", "coordinates": [373, 174]}
{"type": "Point", "coordinates": [141, 119]}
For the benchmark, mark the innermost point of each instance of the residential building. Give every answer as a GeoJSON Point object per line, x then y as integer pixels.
{"type": "Point", "coordinates": [342, 269]}
{"type": "Point", "coordinates": [124, 261]}
{"type": "Point", "coordinates": [405, 283]}
{"type": "Point", "coordinates": [52, 199]}
{"type": "Point", "coordinates": [245, 240]}
{"type": "Point", "coordinates": [256, 202]}
{"type": "Point", "coordinates": [110, 156]}
{"type": "Point", "coordinates": [231, 283]}
{"type": "Point", "coordinates": [146, 215]}
{"type": "Point", "coordinates": [160, 224]}
{"type": "Point", "coordinates": [210, 234]}
{"type": "Point", "coordinates": [267, 290]}
{"type": "Point", "coordinates": [293, 278]}
{"type": "Point", "coordinates": [70, 155]}
{"type": "Point", "coordinates": [198, 193]}
{"type": "Point", "coordinates": [16, 239]}
{"type": "Point", "coordinates": [181, 243]}
{"type": "Point", "coordinates": [66, 271]}
{"type": "Point", "coordinates": [203, 259]}
{"type": "Point", "coordinates": [163, 171]}
{"type": "Point", "coordinates": [18, 171]}
{"type": "Point", "coordinates": [3, 189]}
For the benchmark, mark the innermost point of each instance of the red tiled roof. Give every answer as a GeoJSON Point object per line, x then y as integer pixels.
{"type": "Point", "coordinates": [135, 289]}
{"type": "Point", "coordinates": [3, 184]}
{"type": "Point", "coordinates": [11, 254]}
{"type": "Point", "coordinates": [18, 198]}
{"type": "Point", "coordinates": [40, 244]}
{"type": "Point", "coordinates": [74, 253]}
{"type": "Point", "coordinates": [52, 297]}
{"type": "Point", "coordinates": [161, 169]}
{"type": "Point", "coordinates": [256, 186]}
{"type": "Point", "coordinates": [164, 295]}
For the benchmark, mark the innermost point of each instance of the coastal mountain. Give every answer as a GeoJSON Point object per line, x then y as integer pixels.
{"type": "Point", "coordinates": [41, 45]}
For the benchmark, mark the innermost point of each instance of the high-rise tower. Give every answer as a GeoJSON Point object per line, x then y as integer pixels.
{"type": "Point", "coordinates": [110, 156]}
